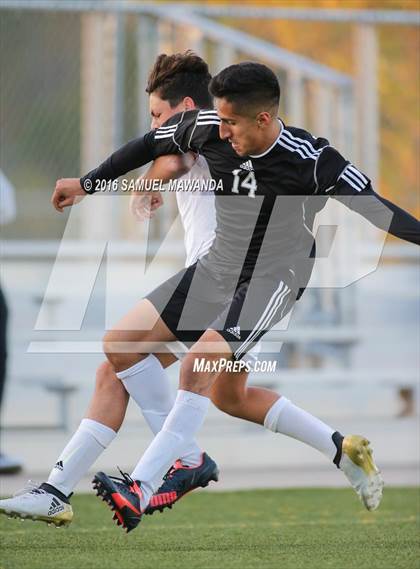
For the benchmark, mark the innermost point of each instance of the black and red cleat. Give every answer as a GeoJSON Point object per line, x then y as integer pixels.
{"type": "Point", "coordinates": [180, 480]}
{"type": "Point", "coordinates": [123, 497]}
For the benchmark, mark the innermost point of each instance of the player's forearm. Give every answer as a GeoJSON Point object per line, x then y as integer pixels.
{"type": "Point", "coordinates": [132, 155]}
{"type": "Point", "coordinates": [387, 216]}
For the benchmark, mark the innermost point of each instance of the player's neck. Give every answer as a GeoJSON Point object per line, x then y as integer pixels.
{"type": "Point", "coordinates": [270, 137]}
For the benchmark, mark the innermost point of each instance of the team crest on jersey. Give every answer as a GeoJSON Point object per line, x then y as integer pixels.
{"type": "Point", "coordinates": [247, 166]}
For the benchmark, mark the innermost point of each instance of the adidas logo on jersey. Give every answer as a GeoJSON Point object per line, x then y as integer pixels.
{"type": "Point", "coordinates": [55, 507]}
{"type": "Point", "coordinates": [235, 331]}
{"type": "Point", "coordinates": [247, 166]}
{"type": "Point", "coordinates": [59, 465]}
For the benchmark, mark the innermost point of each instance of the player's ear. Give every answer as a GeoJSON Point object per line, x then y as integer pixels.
{"type": "Point", "coordinates": [264, 119]}
{"type": "Point", "coordinates": [188, 103]}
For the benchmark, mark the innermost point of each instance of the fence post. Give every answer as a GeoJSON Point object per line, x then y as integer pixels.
{"type": "Point", "coordinates": [100, 110]}
{"type": "Point", "coordinates": [367, 101]}
{"type": "Point", "coordinates": [295, 98]}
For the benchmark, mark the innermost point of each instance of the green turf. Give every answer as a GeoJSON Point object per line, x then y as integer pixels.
{"type": "Point", "coordinates": [282, 529]}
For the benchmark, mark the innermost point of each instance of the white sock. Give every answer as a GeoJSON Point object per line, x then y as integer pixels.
{"type": "Point", "coordinates": [148, 384]}
{"type": "Point", "coordinates": [85, 446]}
{"type": "Point", "coordinates": [179, 429]}
{"type": "Point", "coordinates": [284, 417]}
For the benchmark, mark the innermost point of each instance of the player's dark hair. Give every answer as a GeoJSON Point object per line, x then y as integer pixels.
{"type": "Point", "coordinates": [249, 86]}
{"type": "Point", "coordinates": [174, 77]}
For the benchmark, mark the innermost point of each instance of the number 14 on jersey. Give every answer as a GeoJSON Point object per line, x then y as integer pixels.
{"type": "Point", "coordinates": [249, 183]}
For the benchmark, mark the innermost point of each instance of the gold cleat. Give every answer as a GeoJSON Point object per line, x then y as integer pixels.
{"type": "Point", "coordinates": [359, 467]}
{"type": "Point", "coordinates": [59, 521]}
{"type": "Point", "coordinates": [38, 505]}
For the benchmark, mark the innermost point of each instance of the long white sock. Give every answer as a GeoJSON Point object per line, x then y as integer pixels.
{"type": "Point", "coordinates": [179, 429]}
{"type": "Point", "coordinates": [85, 446]}
{"type": "Point", "coordinates": [286, 418]}
{"type": "Point", "coordinates": [148, 384]}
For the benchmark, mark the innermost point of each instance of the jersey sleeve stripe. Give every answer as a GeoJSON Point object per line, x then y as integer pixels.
{"type": "Point", "coordinates": [355, 178]}
{"type": "Point", "coordinates": [211, 112]}
{"type": "Point", "coordinates": [164, 132]}
{"type": "Point", "coordinates": [303, 148]}
{"type": "Point", "coordinates": [302, 141]}
{"type": "Point", "coordinates": [171, 127]}
{"type": "Point", "coordinates": [200, 123]}
{"type": "Point", "coordinates": [357, 173]}
{"type": "Point", "coordinates": [167, 135]}
{"type": "Point", "coordinates": [294, 149]}
{"type": "Point", "coordinates": [351, 182]}
{"type": "Point", "coordinates": [348, 172]}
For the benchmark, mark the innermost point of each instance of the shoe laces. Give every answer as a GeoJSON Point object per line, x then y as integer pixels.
{"type": "Point", "coordinates": [30, 487]}
{"type": "Point", "coordinates": [134, 486]}
{"type": "Point", "coordinates": [126, 481]}
{"type": "Point", "coordinates": [172, 471]}
{"type": "Point", "coordinates": [125, 478]}
{"type": "Point", "coordinates": [171, 481]}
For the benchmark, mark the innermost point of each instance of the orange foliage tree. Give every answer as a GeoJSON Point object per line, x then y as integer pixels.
{"type": "Point", "coordinates": [332, 44]}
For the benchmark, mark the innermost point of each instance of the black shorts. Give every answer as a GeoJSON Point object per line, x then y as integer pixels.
{"type": "Point", "coordinates": [194, 300]}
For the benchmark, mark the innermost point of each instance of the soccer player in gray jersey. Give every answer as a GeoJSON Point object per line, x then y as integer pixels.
{"type": "Point", "coordinates": [279, 282]}
{"type": "Point", "coordinates": [260, 261]}
{"type": "Point", "coordinates": [176, 83]}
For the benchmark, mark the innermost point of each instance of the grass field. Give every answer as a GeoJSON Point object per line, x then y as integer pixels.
{"type": "Point", "coordinates": [314, 529]}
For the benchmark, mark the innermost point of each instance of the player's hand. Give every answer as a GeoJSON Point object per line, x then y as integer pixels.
{"type": "Point", "coordinates": [143, 205]}
{"type": "Point", "coordinates": [67, 191]}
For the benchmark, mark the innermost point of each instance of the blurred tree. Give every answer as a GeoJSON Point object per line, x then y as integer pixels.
{"type": "Point", "coordinates": [332, 44]}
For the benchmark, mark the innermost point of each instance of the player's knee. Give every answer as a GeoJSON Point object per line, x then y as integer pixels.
{"type": "Point", "coordinates": [110, 343]}
{"type": "Point", "coordinates": [114, 359]}
{"type": "Point", "coordinates": [227, 400]}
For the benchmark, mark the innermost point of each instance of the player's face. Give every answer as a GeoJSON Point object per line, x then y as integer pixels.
{"type": "Point", "coordinates": [243, 132]}
{"type": "Point", "coordinates": [161, 110]}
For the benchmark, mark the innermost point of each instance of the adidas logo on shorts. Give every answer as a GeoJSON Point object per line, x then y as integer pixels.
{"type": "Point", "coordinates": [59, 465]}
{"type": "Point", "coordinates": [235, 331]}
{"type": "Point", "coordinates": [247, 166]}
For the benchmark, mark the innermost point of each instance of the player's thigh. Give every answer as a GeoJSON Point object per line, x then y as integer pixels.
{"type": "Point", "coordinates": [198, 373]}
{"type": "Point", "coordinates": [141, 324]}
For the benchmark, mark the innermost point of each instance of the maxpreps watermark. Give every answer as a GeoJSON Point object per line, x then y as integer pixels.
{"type": "Point", "coordinates": [155, 185]}
{"type": "Point", "coordinates": [233, 366]}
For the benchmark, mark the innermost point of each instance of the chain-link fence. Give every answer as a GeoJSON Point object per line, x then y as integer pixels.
{"type": "Point", "coordinates": [73, 90]}
{"type": "Point", "coordinates": [40, 113]}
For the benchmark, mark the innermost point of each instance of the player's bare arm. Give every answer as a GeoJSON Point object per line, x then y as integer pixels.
{"type": "Point", "coordinates": [68, 191]}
